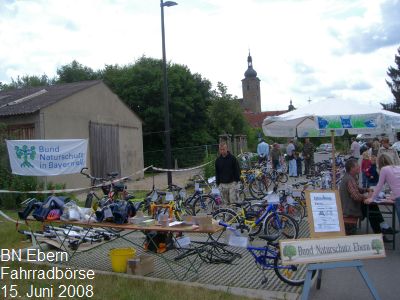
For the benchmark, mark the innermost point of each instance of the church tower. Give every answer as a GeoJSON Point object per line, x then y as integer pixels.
{"type": "Point", "coordinates": [251, 88]}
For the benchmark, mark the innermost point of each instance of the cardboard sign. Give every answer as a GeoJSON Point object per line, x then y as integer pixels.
{"type": "Point", "coordinates": [305, 251]}
{"type": "Point", "coordinates": [325, 215]}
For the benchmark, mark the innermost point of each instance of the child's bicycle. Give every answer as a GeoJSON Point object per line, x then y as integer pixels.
{"type": "Point", "coordinates": [269, 258]}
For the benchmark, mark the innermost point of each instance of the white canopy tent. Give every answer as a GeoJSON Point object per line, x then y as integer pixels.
{"type": "Point", "coordinates": [332, 117]}
{"type": "Point", "coordinates": [320, 118]}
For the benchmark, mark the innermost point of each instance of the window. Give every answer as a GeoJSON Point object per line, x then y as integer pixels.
{"type": "Point", "coordinates": [21, 132]}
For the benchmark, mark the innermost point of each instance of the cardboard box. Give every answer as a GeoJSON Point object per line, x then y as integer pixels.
{"type": "Point", "coordinates": [204, 222]}
{"type": "Point", "coordinates": [142, 265]}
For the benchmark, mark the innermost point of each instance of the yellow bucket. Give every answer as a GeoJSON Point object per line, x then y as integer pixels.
{"type": "Point", "coordinates": [119, 258]}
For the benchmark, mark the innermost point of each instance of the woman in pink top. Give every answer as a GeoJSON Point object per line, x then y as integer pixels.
{"type": "Point", "coordinates": [389, 174]}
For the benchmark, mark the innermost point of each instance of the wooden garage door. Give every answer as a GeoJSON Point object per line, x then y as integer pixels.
{"type": "Point", "coordinates": [104, 149]}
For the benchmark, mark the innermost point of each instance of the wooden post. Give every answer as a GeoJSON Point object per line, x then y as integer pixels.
{"type": "Point", "coordinates": [333, 160]}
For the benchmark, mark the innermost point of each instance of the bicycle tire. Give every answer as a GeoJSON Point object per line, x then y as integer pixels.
{"type": "Point", "coordinates": [254, 189]}
{"type": "Point", "coordinates": [89, 200]}
{"type": "Point", "coordinates": [282, 177]}
{"type": "Point", "coordinates": [208, 200]}
{"type": "Point", "coordinates": [226, 215]}
{"type": "Point", "coordinates": [295, 211]}
{"type": "Point", "coordinates": [253, 231]}
{"type": "Point", "coordinates": [294, 275]}
{"type": "Point", "coordinates": [286, 223]}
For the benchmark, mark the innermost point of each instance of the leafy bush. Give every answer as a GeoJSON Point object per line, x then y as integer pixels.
{"type": "Point", "coordinates": [209, 170]}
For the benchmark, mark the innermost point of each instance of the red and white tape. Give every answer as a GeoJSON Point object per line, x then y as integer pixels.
{"type": "Point", "coordinates": [75, 189]}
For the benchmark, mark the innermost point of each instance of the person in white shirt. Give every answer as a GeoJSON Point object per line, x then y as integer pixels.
{"type": "Point", "coordinates": [355, 148]}
{"type": "Point", "coordinates": [292, 160]}
{"type": "Point", "coordinates": [262, 151]}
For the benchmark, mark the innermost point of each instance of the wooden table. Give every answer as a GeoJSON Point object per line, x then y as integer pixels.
{"type": "Point", "coordinates": [191, 263]}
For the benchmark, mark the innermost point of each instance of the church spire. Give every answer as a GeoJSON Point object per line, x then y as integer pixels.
{"type": "Point", "coordinates": [249, 61]}
{"type": "Point", "coordinates": [250, 72]}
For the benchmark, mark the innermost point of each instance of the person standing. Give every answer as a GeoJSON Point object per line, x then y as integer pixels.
{"type": "Point", "coordinates": [262, 151]}
{"type": "Point", "coordinates": [275, 156]}
{"type": "Point", "coordinates": [299, 162]}
{"type": "Point", "coordinates": [308, 156]}
{"type": "Point", "coordinates": [227, 174]}
{"type": "Point", "coordinates": [374, 148]}
{"type": "Point", "coordinates": [365, 165]}
{"type": "Point", "coordinates": [372, 173]}
{"type": "Point", "coordinates": [355, 148]}
{"type": "Point", "coordinates": [386, 149]}
{"type": "Point", "coordinates": [292, 160]}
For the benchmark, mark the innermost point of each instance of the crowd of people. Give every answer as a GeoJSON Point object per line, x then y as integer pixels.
{"type": "Point", "coordinates": [378, 163]}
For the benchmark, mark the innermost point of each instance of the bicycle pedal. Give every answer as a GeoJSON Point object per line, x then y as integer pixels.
{"type": "Point", "coordinates": [264, 281]}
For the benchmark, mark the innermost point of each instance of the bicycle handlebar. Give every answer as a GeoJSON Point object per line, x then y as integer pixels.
{"type": "Point", "coordinates": [92, 177]}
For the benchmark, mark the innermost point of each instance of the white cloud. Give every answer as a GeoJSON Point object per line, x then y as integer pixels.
{"type": "Point", "coordinates": [300, 49]}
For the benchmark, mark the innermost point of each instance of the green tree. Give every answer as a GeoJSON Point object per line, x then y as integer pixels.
{"type": "Point", "coordinates": [289, 251]}
{"type": "Point", "coordinates": [394, 84]}
{"type": "Point", "coordinates": [27, 81]}
{"type": "Point", "coordinates": [9, 181]}
{"type": "Point", "coordinates": [225, 113]}
{"type": "Point", "coordinates": [377, 245]}
{"type": "Point", "coordinates": [140, 86]}
{"type": "Point", "coordinates": [75, 71]}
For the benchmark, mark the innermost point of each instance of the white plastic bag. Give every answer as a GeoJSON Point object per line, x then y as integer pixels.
{"type": "Point", "coordinates": [71, 212]}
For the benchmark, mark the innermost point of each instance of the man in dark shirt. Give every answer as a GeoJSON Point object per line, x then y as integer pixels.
{"type": "Point", "coordinates": [227, 174]}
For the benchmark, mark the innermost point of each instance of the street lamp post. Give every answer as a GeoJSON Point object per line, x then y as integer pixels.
{"type": "Point", "coordinates": [166, 104]}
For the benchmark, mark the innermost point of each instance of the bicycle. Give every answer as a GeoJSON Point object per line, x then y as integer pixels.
{"type": "Point", "coordinates": [268, 258]}
{"type": "Point", "coordinates": [254, 220]}
{"type": "Point", "coordinates": [112, 190]}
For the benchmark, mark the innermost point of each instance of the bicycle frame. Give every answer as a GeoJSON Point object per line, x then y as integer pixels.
{"type": "Point", "coordinates": [271, 208]}
{"type": "Point", "coordinates": [265, 255]}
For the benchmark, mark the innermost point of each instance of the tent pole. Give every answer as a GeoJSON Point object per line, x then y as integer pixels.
{"type": "Point", "coordinates": [333, 160]}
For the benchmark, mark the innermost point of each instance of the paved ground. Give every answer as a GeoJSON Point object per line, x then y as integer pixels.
{"type": "Point", "coordinates": [336, 284]}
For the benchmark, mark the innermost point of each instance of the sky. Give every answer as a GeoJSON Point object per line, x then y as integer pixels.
{"type": "Point", "coordinates": [301, 49]}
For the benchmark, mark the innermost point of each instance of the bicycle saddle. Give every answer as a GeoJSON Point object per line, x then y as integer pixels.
{"type": "Point", "coordinates": [269, 238]}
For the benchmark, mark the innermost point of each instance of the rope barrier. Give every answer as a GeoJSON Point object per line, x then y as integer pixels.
{"type": "Point", "coordinates": [101, 184]}
{"type": "Point", "coordinates": [7, 217]}
{"type": "Point", "coordinates": [75, 189]}
{"type": "Point", "coordinates": [181, 170]}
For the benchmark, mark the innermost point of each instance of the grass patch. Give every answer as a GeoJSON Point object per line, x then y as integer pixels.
{"type": "Point", "coordinates": [104, 286]}
{"type": "Point", "coordinates": [9, 236]}
{"type": "Point", "coordinates": [113, 287]}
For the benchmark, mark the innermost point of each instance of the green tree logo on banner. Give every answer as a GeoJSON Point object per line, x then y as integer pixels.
{"type": "Point", "coordinates": [289, 251]}
{"type": "Point", "coordinates": [25, 153]}
{"type": "Point", "coordinates": [377, 245]}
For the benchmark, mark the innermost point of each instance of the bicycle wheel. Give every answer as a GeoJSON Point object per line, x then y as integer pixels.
{"type": "Point", "coordinates": [257, 189]}
{"type": "Point", "coordinates": [282, 225]}
{"type": "Point", "coordinates": [203, 204]}
{"type": "Point", "coordinates": [227, 216]}
{"type": "Point", "coordinates": [254, 212]}
{"type": "Point", "coordinates": [291, 274]}
{"type": "Point", "coordinates": [89, 200]}
{"type": "Point", "coordinates": [295, 211]}
{"type": "Point", "coordinates": [282, 177]}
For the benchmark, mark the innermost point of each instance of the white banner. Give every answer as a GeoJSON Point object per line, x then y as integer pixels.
{"type": "Point", "coordinates": [47, 157]}
{"type": "Point", "coordinates": [305, 251]}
